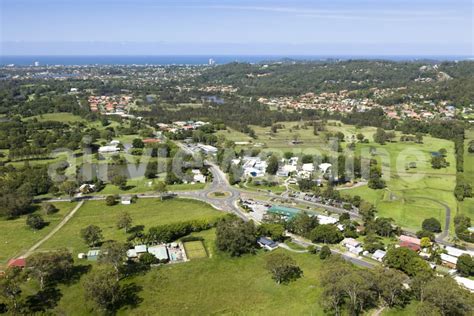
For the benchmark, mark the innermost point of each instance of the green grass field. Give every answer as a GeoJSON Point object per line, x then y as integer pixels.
{"type": "Point", "coordinates": [280, 141]}
{"type": "Point", "coordinates": [17, 237]}
{"type": "Point", "coordinates": [59, 116]}
{"type": "Point", "coordinates": [195, 249]}
{"type": "Point", "coordinates": [217, 285]}
{"type": "Point", "coordinates": [411, 195]}
{"type": "Point", "coordinates": [147, 212]}
{"type": "Point", "coordinates": [467, 206]}
{"type": "Point", "coordinates": [142, 185]}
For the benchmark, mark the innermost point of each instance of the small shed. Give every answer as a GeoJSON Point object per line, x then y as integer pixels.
{"type": "Point", "coordinates": [132, 253]}
{"type": "Point", "coordinates": [93, 254]}
{"type": "Point", "coordinates": [140, 249]}
{"type": "Point", "coordinates": [18, 262]}
{"type": "Point", "coordinates": [267, 243]}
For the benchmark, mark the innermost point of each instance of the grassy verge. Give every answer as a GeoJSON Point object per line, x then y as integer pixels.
{"type": "Point", "coordinates": [147, 212]}
{"type": "Point", "coordinates": [17, 237]}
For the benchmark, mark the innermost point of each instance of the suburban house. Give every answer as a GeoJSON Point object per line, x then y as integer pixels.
{"type": "Point", "coordinates": [450, 258]}
{"type": "Point", "coordinates": [379, 255]}
{"type": "Point", "coordinates": [254, 167]}
{"type": "Point", "coordinates": [327, 220]}
{"type": "Point", "coordinates": [198, 177]}
{"type": "Point", "coordinates": [412, 243]}
{"type": "Point", "coordinates": [136, 251]}
{"type": "Point", "coordinates": [159, 251]}
{"type": "Point", "coordinates": [267, 243]}
{"type": "Point", "coordinates": [86, 188]}
{"type": "Point", "coordinates": [352, 245]}
{"type": "Point", "coordinates": [207, 149]}
{"type": "Point", "coordinates": [449, 261]}
{"type": "Point", "coordinates": [325, 168]}
{"type": "Point", "coordinates": [109, 149]}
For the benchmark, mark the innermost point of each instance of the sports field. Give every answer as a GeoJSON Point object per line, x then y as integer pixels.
{"type": "Point", "coordinates": [195, 250]}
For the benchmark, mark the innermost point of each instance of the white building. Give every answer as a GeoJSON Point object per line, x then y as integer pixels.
{"type": "Point", "coordinates": [254, 167]}
{"type": "Point", "coordinates": [126, 200]}
{"type": "Point", "coordinates": [109, 149]}
{"type": "Point", "coordinates": [207, 149]}
{"type": "Point", "coordinates": [160, 252]}
{"type": "Point", "coordinates": [379, 255]}
{"type": "Point", "coordinates": [198, 176]}
{"type": "Point", "coordinates": [449, 260]}
{"type": "Point", "coordinates": [308, 167]}
{"type": "Point", "coordinates": [456, 252]}
{"type": "Point", "coordinates": [326, 220]}
{"type": "Point", "coordinates": [325, 168]}
{"type": "Point", "coordinates": [352, 245]}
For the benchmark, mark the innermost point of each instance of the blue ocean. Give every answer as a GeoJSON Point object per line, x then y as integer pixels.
{"type": "Point", "coordinates": [190, 59]}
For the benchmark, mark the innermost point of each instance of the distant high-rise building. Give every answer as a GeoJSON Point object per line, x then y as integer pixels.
{"type": "Point", "coordinates": [37, 63]}
{"type": "Point", "coordinates": [212, 62]}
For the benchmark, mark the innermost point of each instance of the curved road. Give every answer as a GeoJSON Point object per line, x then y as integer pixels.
{"type": "Point", "coordinates": [447, 219]}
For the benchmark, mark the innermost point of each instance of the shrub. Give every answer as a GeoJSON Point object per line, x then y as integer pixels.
{"type": "Point", "coordinates": [35, 221]}
{"type": "Point", "coordinates": [325, 252]}
{"type": "Point", "coordinates": [431, 225]}
{"type": "Point", "coordinates": [110, 200]}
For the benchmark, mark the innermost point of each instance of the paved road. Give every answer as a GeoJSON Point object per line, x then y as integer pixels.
{"type": "Point", "coordinates": [347, 256]}
{"type": "Point", "coordinates": [229, 203]}
{"type": "Point", "coordinates": [447, 219]}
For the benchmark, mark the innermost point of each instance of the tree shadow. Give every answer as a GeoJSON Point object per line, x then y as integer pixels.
{"type": "Point", "coordinates": [43, 300]}
{"type": "Point", "coordinates": [129, 295]}
{"type": "Point", "coordinates": [134, 268]}
{"type": "Point", "coordinates": [76, 273]}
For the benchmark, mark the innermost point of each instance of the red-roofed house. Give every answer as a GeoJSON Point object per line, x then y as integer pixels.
{"type": "Point", "coordinates": [151, 140]}
{"type": "Point", "coordinates": [18, 262]}
{"type": "Point", "coordinates": [408, 239]}
{"type": "Point", "coordinates": [411, 246]}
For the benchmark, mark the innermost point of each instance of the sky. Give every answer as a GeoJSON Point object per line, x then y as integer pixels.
{"type": "Point", "coordinates": [187, 27]}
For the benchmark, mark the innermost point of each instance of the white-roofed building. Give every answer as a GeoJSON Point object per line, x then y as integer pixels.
{"type": "Point", "coordinates": [108, 149]}
{"type": "Point", "coordinates": [449, 261]}
{"type": "Point", "coordinates": [379, 255]}
{"type": "Point", "coordinates": [324, 220]}
{"type": "Point", "coordinates": [160, 252]}
{"type": "Point", "coordinates": [468, 284]}
{"type": "Point", "coordinates": [289, 168]}
{"type": "Point", "coordinates": [325, 168]}
{"type": "Point", "coordinates": [456, 252]}
{"type": "Point", "coordinates": [140, 249]}
{"type": "Point", "coordinates": [308, 167]}
{"type": "Point", "coordinates": [350, 242]}
{"type": "Point", "coordinates": [132, 253]}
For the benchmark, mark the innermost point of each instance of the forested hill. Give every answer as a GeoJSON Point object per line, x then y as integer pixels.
{"type": "Point", "coordinates": [286, 78]}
